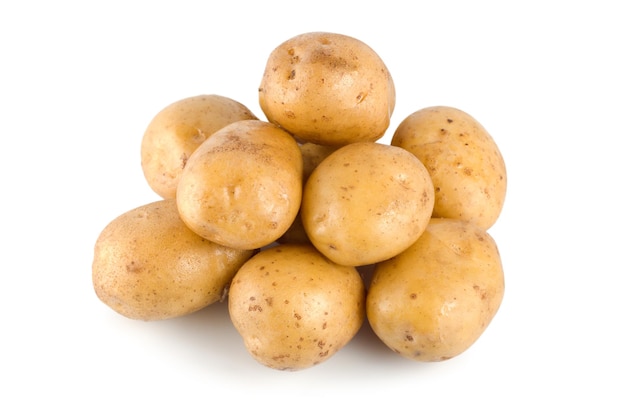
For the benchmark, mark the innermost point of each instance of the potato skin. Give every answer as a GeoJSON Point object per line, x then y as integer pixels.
{"type": "Point", "coordinates": [294, 308]}
{"type": "Point", "coordinates": [177, 130]}
{"type": "Point", "coordinates": [243, 187]}
{"type": "Point", "coordinates": [327, 88]}
{"type": "Point", "coordinates": [463, 160]}
{"type": "Point", "coordinates": [434, 300]}
{"type": "Point", "coordinates": [149, 266]}
{"type": "Point", "coordinates": [366, 202]}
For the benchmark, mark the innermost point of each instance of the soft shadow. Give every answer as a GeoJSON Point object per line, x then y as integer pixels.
{"type": "Point", "coordinates": [207, 339]}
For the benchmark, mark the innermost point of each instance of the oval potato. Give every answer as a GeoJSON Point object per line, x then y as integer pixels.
{"type": "Point", "coordinates": [177, 130]}
{"type": "Point", "coordinates": [327, 88]}
{"type": "Point", "coordinates": [243, 187]}
{"type": "Point", "coordinates": [294, 308]}
{"type": "Point", "coordinates": [148, 265]}
{"type": "Point", "coordinates": [463, 160]}
{"type": "Point", "coordinates": [434, 300]}
{"type": "Point", "coordinates": [366, 202]}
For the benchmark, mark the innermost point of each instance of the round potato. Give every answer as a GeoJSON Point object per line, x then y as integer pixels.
{"type": "Point", "coordinates": [294, 308]}
{"type": "Point", "coordinates": [243, 187]}
{"type": "Point", "coordinates": [328, 89]}
{"type": "Point", "coordinates": [463, 160]}
{"type": "Point", "coordinates": [149, 266]}
{"type": "Point", "coordinates": [177, 130]}
{"type": "Point", "coordinates": [434, 300]}
{"type": "Point", "coordinates": [366, 202]}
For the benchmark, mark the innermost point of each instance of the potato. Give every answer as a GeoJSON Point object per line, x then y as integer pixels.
{"type": "Point", "coordinates": [149, 266]}
{"type": "Point", "coordinates": [294, 308]}
{"type": "Point", "coordinates": [434, 300]}
{"type": "Point", "coordinates": [328, 89]}
{"type": "Point", "coordinates": [366, 202]}
{"type": "Point", "coordinates": [242, 188]}
{"type": "Point", "coordinates": [463, 160]}
{"type": "Point", "coordinates": [312, 155]}
{"type": "Point", "coordinates": [177, 130]}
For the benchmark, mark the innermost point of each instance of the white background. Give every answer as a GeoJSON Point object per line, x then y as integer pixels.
{"type": "Point", "coordinates": [79, 82]}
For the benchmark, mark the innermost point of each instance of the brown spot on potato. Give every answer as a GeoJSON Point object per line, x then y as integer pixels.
{"type": "Point", "coordinates": [134, 267]}
{"type": "Point", "coordinates": [183, 160]}
{"type": "Point", "coordinates": [483, 293]}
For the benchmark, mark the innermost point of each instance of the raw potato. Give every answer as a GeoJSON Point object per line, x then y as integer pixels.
{"type": "Point", "coordinates": [463, 160]}
{"type": "Point", "coordinates": [294, 308]}
{"type": "Point", "coordinates": [366, 202]}
{"type": "Point", "coordinates": [243, 187]}
{"type": "Point", "coordinates": [305, 224]}
{"type": "Point", "coordinates": [177, 130]}
{"type": "Point", "coordinates": [149, 266]}
{"type": "Point", "coordinates": [434, 300]}
{"type": "Point", "coordinates": [328, 89]}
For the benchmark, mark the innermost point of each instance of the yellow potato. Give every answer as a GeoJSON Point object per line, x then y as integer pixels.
{"type": "Point", "coordinates": [328, 89]}
{"type": "Point", "coordinates": [177, 130]}
{"type": "Point", "coordinates": [242, 188]}
{"type": "Point", "coordinates": [366, 202]}
{"type": "Point", "coordinates": [434, 300]}
{"type": "Point", "coordinates": [463, 160]}
{"type": "Point", "coordinates": [294, 308]}
{"type": "Point", "coordinates": [149, 266]}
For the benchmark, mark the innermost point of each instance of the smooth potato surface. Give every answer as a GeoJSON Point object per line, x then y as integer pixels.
{"type": "Point", "coordinates": [366, 202]}
{"type": "Point", "coordinates": [177, 130]}
{"type": "Point", "coordinates": [463, 160]}
{"type": "Point", "coordinates": [328, 89]}
{"type": "Point", "coordinates": [294, 308]}
{"type": "Point", "coordinates": [242, 188]}
{"type": "Point", "coordinates": [434, 300]}
{"type": "Point", "coordinates": [148, 265]}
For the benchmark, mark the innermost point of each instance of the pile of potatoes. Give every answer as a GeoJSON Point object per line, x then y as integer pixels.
{"type": "Point", "coordinates": [305, 223]}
